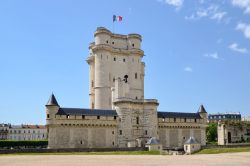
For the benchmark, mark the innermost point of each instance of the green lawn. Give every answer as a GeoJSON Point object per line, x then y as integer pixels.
{"type": "Point", "coordinates": [223, 150]}
{"type": "Point", "coordinates": [94, 153]}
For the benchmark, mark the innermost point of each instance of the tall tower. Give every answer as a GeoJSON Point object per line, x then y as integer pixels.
{"type": "Point", "coordinates": [114, 56]}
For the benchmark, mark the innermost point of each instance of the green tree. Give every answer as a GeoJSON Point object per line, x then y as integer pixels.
{"type": "Point", "coordinates": [212, 132]}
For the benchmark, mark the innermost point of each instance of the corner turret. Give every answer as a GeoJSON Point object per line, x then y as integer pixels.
{"type": "Point", "coordinates": [52, 108]}
{"type": "Point", "coordinates": [203, 113]}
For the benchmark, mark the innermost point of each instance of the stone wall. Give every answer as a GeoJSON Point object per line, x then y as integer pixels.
{"type": "Point", "coordinates": [82, 137]}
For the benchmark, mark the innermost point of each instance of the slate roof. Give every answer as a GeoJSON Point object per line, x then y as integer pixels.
{"type": "Point", "coordinates": [191, 140]}
{"type": "Point", "coordinates": [178, 115]}
{"type": "Point", "coordinates": [153, 141]}
{"type": "Point", "coordinates": [52, 101]}
{"type": "Point", "coordinates": [202, 109]}
{"type": "Point", "coordinates": [88, 112]}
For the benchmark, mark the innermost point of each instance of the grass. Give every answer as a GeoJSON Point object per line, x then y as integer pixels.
{"type": "Point", "coordinates": [223, 150]}
{"type": "Point", "coordinates": [93, 153]}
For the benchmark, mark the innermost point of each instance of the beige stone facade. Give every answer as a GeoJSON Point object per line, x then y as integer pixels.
{"type": "Point", "coordinates": [119, 116]}
{"type": "Point", "coordinates": [231, 133]}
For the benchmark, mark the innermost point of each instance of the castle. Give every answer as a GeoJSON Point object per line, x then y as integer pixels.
{"type": "Point", "coordinates": [119, 116]}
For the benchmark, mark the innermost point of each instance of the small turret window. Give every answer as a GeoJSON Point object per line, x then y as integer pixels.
{"type": "Point", "coordinates": [137, 120]}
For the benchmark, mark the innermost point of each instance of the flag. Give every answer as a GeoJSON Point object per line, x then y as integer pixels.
{"type": "Point", "coordinates": [117, 18]}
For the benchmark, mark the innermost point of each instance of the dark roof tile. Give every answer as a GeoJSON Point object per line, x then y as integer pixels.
{"type": "Point", "coordinates": [178, 115]}
{"type": "Point", "coordinates": [84, 111]}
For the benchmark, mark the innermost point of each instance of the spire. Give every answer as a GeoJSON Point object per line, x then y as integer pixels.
{"type": "Point", "coordinates": [52, 101]}
{"type": "Point", "coordinates": [202, 109]}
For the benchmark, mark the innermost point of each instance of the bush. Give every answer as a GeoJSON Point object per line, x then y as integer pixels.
{"type": "Point", "coordinates": [21, 144]}
{"type": "Point", "coordinates": [212, 132]}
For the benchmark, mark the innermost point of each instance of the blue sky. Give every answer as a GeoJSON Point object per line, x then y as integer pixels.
{"type": "Point", "coordinates": [197, 52]}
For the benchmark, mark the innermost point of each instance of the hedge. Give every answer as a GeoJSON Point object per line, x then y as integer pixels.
{"type": "Point", "coordinates": [10, 143]}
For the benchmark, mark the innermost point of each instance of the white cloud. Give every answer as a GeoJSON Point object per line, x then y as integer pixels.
{"type": "Point", "coordinates": [212, 55]}
{"type": "Point", "coordinates": [245, 28]}
{"type": "Point", "coordinates": [211, 12]}
{"type": "Point", "coordinates": [176, 3]}
{"type": "Point", "coordinates": [218, 16]}
{"type": "Point", "coordinates": [244, 4]}
{"type": "Point", "coordinates": [235, 47]}
{"type": "Point", "coordinates": [188, 69]}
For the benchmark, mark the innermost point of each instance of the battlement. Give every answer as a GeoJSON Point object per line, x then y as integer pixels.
{"type": "Point", "coordinates": [130, 41]}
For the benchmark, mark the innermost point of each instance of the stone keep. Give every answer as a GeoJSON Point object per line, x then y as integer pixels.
{"type": "Point", "coordinates": [114, 56]}
{"type": "Point", "coordinates": [119, 116]}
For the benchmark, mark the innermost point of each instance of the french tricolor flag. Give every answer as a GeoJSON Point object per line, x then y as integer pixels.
{"type": "Point", "coordinates": [117, 18]}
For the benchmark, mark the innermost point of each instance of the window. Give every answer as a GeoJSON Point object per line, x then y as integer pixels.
{"type": "Point", "coordinates": [163, 119]}
{"type": "Point", "coordinates": [83, 116]}
{"type": "Point", "coordinates": [114, 59]}
{"type": "Point", "coordinates": [107, 41]}
{"type": "Point", "coordinates": [185, 119]}
{"type": "Point", "coordinates": [98, 117]}
{"type": "Point", "coordinates": [67, 116]}
{"type": "Point", "coordinates": [174, 119]}
{"type": "Point", "coordinates": [133, 45]}
{"type": "Point", "coordinates": [47, 116]}
{"type": "Point", "coordinates": [137, 120]}
{"type": "Point", "coordinates": [135, 75]}
{"type": "Point", "coordinates": [113, 143]}
{"type": "Point", "coordinates": [195, 120]}
{"type": "Point", "coordinates": [113, 42]}
{"type": "Point", "coordinates": [120, 132]}
{"type": "Point", "coordinates": [146, 132]}
{"type": "Point", "coordinates": [113, 132]}
{"type": "Point", "coordinates": [115, 117]}
{"type": "Point", "coordinates": [80, 142]}
{"type": "Point", "coordinates": [114, 79]}
{"type": "Point", "coordinates": [124, 60]}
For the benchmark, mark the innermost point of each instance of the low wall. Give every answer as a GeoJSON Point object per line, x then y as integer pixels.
{"type": "Point", "coordinates": [226, 146]}
{"type": "Point", "coordinates": [11, 151]}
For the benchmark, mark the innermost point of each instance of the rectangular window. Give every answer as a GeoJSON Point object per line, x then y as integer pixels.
{"type": "Point", "coordinates": [47, 115]}
{"type": "Point", "coordinates": [174, 119]}
{"type": "Point", "coordinates": [135, 75]}
{"type": "Point", "coordinates": [185, 119]}
{"type": "Point", "coordinates": [98, 117]}
{"type": "Point", "coordinates": [83, 116]}
{"type": "Point", "coordinates": [195, 120]}
{"type": "Point", "coordinates": [137, 120]}
{"type": "Point", "coordinates": [120, 132]}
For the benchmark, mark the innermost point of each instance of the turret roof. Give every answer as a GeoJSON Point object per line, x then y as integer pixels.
{"type": "Point", "coordinates": [202, 109]}
{"type": "Point", "coordinates": [52, 101]}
